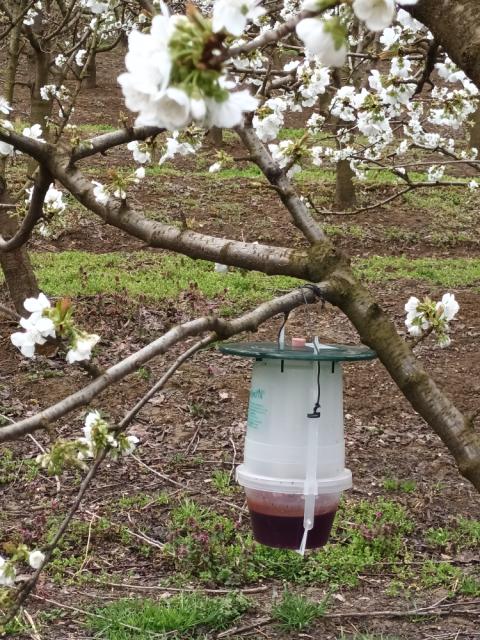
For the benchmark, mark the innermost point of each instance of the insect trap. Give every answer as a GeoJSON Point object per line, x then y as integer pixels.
{"type": "Point", "coordinates": [294, 465]}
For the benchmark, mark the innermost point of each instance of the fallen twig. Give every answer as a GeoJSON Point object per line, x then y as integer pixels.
{"type": "Point", "coordinates": [186, 487]}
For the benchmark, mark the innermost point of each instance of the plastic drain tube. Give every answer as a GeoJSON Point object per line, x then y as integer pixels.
{"type": "Point", "coordinates": [310, 487]}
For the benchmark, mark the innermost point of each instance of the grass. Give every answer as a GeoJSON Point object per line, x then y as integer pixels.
{"type": "Point", "coordinates": [160, 277]}
{"type": "Point", "coordinates": [394, 484]}
{"type": "Point", "coordinates": [210, 547]}
{"type": "Point", "coordinates": [465, 534]}
{"type": "Point", "coordinates": [15, 469]}
{"type": "Point", "coordinates": [222, 482]}
{"type": "Point", "coordinates": [163, 277]}
{"type": "Point", "coordinates": [446, 272]}
{"type": "Point", "coordinates": [157, 277]}
{"type": "Point", "coordinates": [295, 612]}
{"type": "Point", "coordinates": [186, 616]}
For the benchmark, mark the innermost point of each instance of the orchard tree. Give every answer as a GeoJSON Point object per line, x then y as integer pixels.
{"type": "Point", "coordinates": [226, 66]}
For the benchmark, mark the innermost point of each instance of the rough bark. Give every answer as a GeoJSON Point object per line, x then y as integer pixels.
{"type": "Point", "coordinates": [378, 332]}
{"type": "Point", "coordinates": [474, 138]}
{"type": "Point", "coordinates": [456, 26]}
{"type": "Point", "coordinates": [344, 186]}
{"type": "Point", "coordinates": [40, 109]}
{"type": "Point", "coordinates": [91, 73]}
{"type": "Point", "coordinates": [216, 136]}
{"type": "Point", "coordinates": [16, 265]}
{"type": "Point", "coordinates": [13, 55]}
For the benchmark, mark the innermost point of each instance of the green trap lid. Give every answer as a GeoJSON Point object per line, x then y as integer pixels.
{"type": "Point", "coordinates": [272, 351]}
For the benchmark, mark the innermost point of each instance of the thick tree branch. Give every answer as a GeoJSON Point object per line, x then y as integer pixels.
{"type": "Point", "coordinates": [35, 211]}
{"type": "Point", "coordinates": [378, 332]}
{"type": "Point", "coordinates": [222, 329]}
{"type": "Point", "coordinates": [264, 258]}
{"type": "Point", "coordinates": [39, 151]}
{"type": "Point", "coordinates": [454, 24]}
{"type": "Point", "coordinates": [101, 144]}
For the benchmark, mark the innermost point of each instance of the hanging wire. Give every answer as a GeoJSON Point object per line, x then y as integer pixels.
{"type": "Point", "coordinates": [281, 342]}
{"type": "Point", "coordinates": [317, 292]}
{"type": "Point", "coordinates": [316, 407]}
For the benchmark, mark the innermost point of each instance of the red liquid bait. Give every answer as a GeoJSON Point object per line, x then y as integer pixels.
{"type": "Point", "coordinates": [286, 532]}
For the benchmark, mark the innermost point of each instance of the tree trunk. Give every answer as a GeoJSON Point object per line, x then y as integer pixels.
{"type": "Point", "coordinates": [216, 136]}
{"type": "Point", "coordinates": [11, 74]}
{"type": "Point", "coordinates": [475, 130]}
{"type": "Point", "coordinates": [13, 55]}
{"type": "Point", "coordinates": [90, 81]}
{"type": "Point", "coordinates": [16, 265]}
{"type": "Point", "coordinates": [344, 186]}
{"type": "Point", "coordinates": [40, 109]}
{"type": "Point", "coordinates": [454, 23]}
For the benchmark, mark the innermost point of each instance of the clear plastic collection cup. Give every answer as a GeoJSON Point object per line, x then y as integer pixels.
{"type": "Point", "coordinates": [294, 464]}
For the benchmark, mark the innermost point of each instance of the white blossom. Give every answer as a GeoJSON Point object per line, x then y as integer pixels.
{"type": "Point", "coordinates": [377, 14]}
{"type": "Point", "coordinates": [35, 559]}
{"type": "Point", "coordinates": [95, 6]}
{"type": "Point", "coordinates": [319, 40]}
{"type": "Point", "coordinates": [82, 347]}
{"type": "Point", "coordinates": [435, 174]}
{"type": "Point", "coordinates": [268, 122]}
{"type": "Point", "coordinates": [37, 305]}
{"type": "Point", "coordinates": [37, 327]}
{"type": "Point", "coordinates": [448, 307]}
{"type": "Point", "coordinates": [7, 574]}
{"type": "Point", "coordinates": [5, 148]}
{"type": "Point", "coordinates": [415, 320]}
{"type": "Point", "coordinates": [390, 36]}
{"type": "Point", "coordinates": [60, 60]}
{"type": "Point", "coordinates": [140, 154]}
{"type": "Point", "coordinates": [148, 63]}
{"type": "Point", "coordinates": [406, 20]}
{"type": "Point", "coordinates": [233, 15]}
{"type": "Point", "coordinates": [53, 201]}
{"type": "Point", "coordinates": [174, 147]}
{"type": "Point", "coordinates": [130, 446]}
{"type": "Point", "coordinates": [100, 193]}
{"type": "Point", "coordinates": [229, 113]}
{"type": "Point", "coordinates": [4, 106]}
{"type": "Point", "coordinates": [80, 57]}
{"type": "Point", "coordinates": [35, 132]}
{"type": "Point", "coordinates": [170, 110]}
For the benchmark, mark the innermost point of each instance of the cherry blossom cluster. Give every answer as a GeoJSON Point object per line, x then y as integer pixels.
{"type": "Point", "coordinates": [326, 37]}
{"type": "Point", "coordinates": [8, 571]}
{"type": "Point", "coordinates": [428, 316]}
{"type": "Point", "coordinates": [172, 77]}
{"type": "Point", "coordinates": [120, 182]}
{"type": "Point", "coordinates": [53, 205]}
{"type": "Point", "coordinates": [46, 322]}
{"type": "Point", "coordinates": [368, 109]}
{"type": "Point", "coordinates": [34, 132]}
{"type": "Point", "coordinates": [97, 436]}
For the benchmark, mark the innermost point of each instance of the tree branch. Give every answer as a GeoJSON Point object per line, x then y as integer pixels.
{"type": "Point", "coordinates": [101, 144]}
{"type": "Point", "coordinates": [28, 587]}
{"type": "Point", "coordinates": [35, 211]}
{"type": "Point", "coordinates": [222, 329]}
{"type": "Point", "coordinates": [278, 178]}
